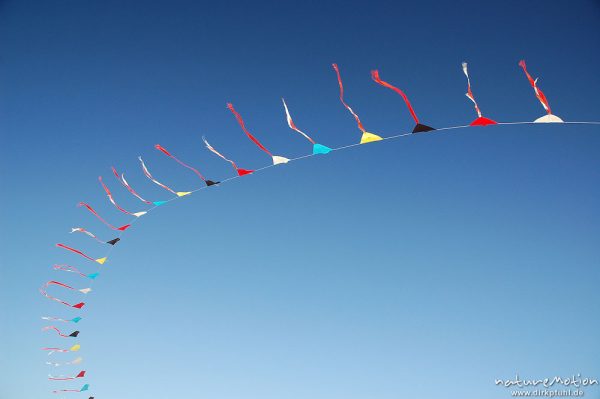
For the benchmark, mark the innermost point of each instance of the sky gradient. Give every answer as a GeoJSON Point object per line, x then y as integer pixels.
{"type": "Point", "coordinates": [420, 267]}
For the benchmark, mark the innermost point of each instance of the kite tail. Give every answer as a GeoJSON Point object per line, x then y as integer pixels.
{"type": "Point", "coordinates": [240, 171]}
{"type": "Point", "coordinates": [64, 378]}
{"type": "Point", "coordinates": [52, 350]}
{"type": "Point", "coordinates": [74, 251]}
{"type": "Point", "coordinates": [112, 200]}
{"type": "Point", "coordinates": [212, 149]}
{"type": "Point", "coordinates": [360, 125]}
{"type": "Point", "coordinates": [292, 125]}
{"type": "Point", "coordinates": [243, 126]}
{"type": "Point", "coordinates": [73, 320]}
{"type": "Point", "coordinates": [72, 269]}
{"type": "Point", "coordinates": [538, 92]}
{"type": "Point", "coordinates": [74, 348]}
{"type": "Point", "coordinates": [72, 335]}
{"type": "Point", "coordinates": [469, 93]}
{"type": "Point", "coordinates": [127, 186]}
{"type": "Point", "coordinates": [100, 260]}
{"type": "Point", "coordinates": [89, 208]}
{"type": "Point", "coordinates": [44, 293]}
{"type": "Point", "coordinates": [149, 176]}
{"type": "Point", "coordinates": [375, 77]}
{"type": "Point", "coordinates": [167, 153]}
{"type": "Point", "coordinates": [82, 230]}
{"type": "Point", "coordinates": [52, 282]}
{"type": "Point", "coordinates": [74, 361]}
{"type": "Point", "coordinates": [88, 233]}
{"type": "Point", "coordinates": [83, 388]}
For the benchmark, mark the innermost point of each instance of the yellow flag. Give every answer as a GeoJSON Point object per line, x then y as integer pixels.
{"type": "Point", "coordinates": [183, 193]}
{"type": "Point", "coordinates": [101, 260]}
{"type": "Point", "coordinates": [369, 137]}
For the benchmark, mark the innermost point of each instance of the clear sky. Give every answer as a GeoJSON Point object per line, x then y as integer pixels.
{"type": "Point", "coordinates": [423, 267]}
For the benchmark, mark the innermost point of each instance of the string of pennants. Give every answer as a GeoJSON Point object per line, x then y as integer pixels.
{"type": "Point", "coordinates": [74, 294]}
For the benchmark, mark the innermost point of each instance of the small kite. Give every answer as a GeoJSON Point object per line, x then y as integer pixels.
{"type": "Point", "coordinates": [69, 363]}
{"type": "Point", "coordinates": [167, 153]}
{"type": "Point", "coordinates": [276, 158]}
{"type": "Point", "coordinates": [112, 201]}
{"type": "Point", "coordinates": [78, 252]}
{"type": "Point", "coordinates": [64, 378]}
{"type": "Point", "coordinates": [89, 208]}
{"type": "Point", "coordinates": [73, 320]}
{"type": "Point", "coordinates": [550, 117]}
{"type": "Point", "coordinates": [74, 348]}
{"type": "Point", "coordinates": [240, 171]}
{"type": "Point", "coordinates": [73, 269]}
{"type": "Point", "coordinates": [149, 176]}
{"type": "Point", "coordinates": [480, 121]}
{"type": "Point", "coordinates": [419, 127]}
{"type": "Point", "coordinates": [317, 148]}
{"type": "Point", "coordinates": [52, 282]}
{"type": "Point", "coordinates": [84, 231]}
{"type": "Point", "coordinates": [366, 136]}
{"type": "Point", "coordinates": [83, 388]}
{"type": "Point", "coordinates": [74, 334]}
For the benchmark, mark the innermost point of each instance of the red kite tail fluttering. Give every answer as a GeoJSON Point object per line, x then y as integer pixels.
{"type": "Point", "coordinates": [339, 78]}
{"type": "Point", "coordinates": [122, 180]}
{"type": "Point", "coordinates": [89, 208]}
{"type": "Point", "coordinates": [240, 171]}
{"type": "Point", "coordinates": [167, 153]}
{"type": "Point", "coordinates": [277, 159]}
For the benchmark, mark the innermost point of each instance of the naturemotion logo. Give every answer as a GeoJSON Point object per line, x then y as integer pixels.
{"type": "Point", "coordinates": [557, 386]}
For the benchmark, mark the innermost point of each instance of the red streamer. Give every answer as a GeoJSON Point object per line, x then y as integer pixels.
{"type": "Point", "coordinates": [337, 71]}
{"type": "Point", "coordinates": [127, 186]}
{"type": "Point", "coordinates": [375, 76]}
{"type": "Point", "coordinates": [243, 126]}
{"type": "Point", "coordinates": [538, 93]}
{"type": "Point", "coordinates": [167, 153]}
{"type": "Point", "coordinates": [89, 208]}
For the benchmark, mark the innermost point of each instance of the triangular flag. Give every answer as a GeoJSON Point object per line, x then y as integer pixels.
{"type": "Point", "coordinates": [79, 305]}
{"type": "Point", "coordinates": [550, 118]}
{"type": "Point", "coordinates": [420, 128]}
{"type": "Point", "coordinates": [101, 260]}
{"type": "Point", "coordinates": [369, 137]}
{"type": "Point", "coordinates": [183, 193]}
{"type": "Point", "coordinates": [278, 159]}
{"type": "Point", "coordinates": [138, 214]}
{"type": "Point", "coordinates": [320, 149]}
{"type": "Point", "coordinates": [75, 348]}
{"type": "Point", "coordinates": [81, 374]}
{"type": "Point", "coordinates": [93, 275]}
{"type": "Point", "coordinates": [242, 172]}
{"type": "Point", "coordinates": [113, 241]}
{"type": "Point", "coordinates": [85, 290]}
{"type": "Point", "coordinates": [483, 121]}
{"type": "Point", "coordinates": [159, 203]}
{"type": "Point", "coordinates": [211, 183]}
{"type": "Point", "coordinates": [84, 388]}
{"type": "Point", "coordinates": [74, 334]}
{"type": "Point", "coordinates": [76, 319]}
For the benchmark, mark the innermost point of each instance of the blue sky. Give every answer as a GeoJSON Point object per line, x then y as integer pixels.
{"type": "Point", "coordinates": [422, 267]}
